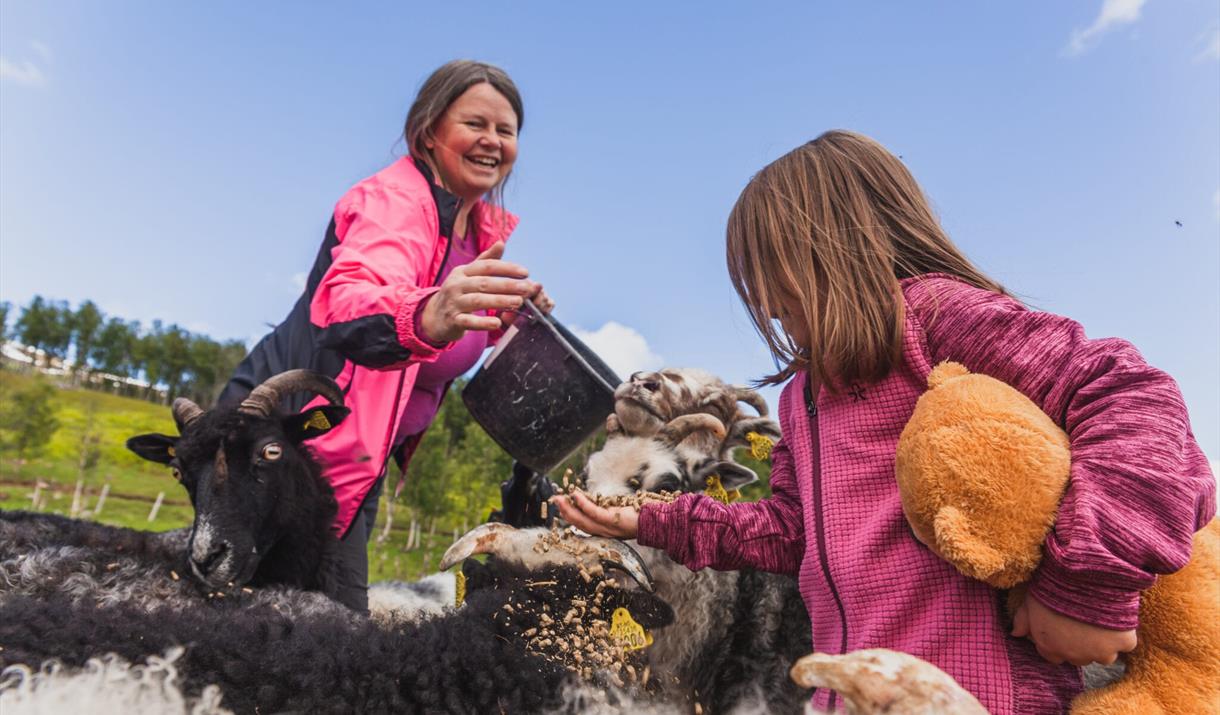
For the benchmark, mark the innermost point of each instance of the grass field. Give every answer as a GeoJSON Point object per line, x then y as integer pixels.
{"type": "Point", "coordinates": [134, 484]}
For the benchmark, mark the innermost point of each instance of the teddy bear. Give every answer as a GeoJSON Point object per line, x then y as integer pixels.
{"type": "Point", "coordinates": [981, 470]}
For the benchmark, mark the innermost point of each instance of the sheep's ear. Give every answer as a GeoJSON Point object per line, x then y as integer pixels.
{"type": "Point", "coordinates": [154, 447]}
{"type": "Point", "coordinates": [314, 422]}
{"type": "Point", "coordinates": [645, 608]}
{"type": "Point", "coordinates": [733, 476]}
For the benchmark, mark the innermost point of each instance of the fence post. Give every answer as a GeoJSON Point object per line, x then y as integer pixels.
{"type": "Point", "coordinates": [80, 486]}
{"type": "Point", "coordinates": [156, 506]}
{"type": "Point", "coordinates": [101, 499]}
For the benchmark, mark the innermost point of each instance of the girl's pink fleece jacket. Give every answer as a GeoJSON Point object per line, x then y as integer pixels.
{"type": "Point", "coordinates": [1140, 487]}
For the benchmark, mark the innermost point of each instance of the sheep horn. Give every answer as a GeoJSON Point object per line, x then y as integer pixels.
{"type": "Point", "coordinates": [751, 398]}
{"type": "Point", "coordinates": [482, 539]}
{"type": "Point", "coordinates": [679, 428]}
{"type": "Point", "coordinates": [263, 399]}
{"type": "Point", "coordinates": [185, 412]}
{"type": "Point", "coordinates": [517, 546]}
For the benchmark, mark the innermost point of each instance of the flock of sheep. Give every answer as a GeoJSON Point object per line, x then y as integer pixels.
{"type": "Point", "coordinates": [233, 614]}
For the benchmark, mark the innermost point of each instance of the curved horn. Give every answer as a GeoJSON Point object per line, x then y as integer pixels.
{"type": "Point", "coordinates": [619, 555]}
{"type": "Point", "coordinates": [185, 412]}
{"type": "Point", "coordinates": [482, 539]}
{"type": "Point", "coordinates": [517, 546]}
{"type": "Point", "coordinates": [751, 398]}
{"type": "Point", "coordinates": [262, 400]}
{"type": "Point", "coordinates": [680, 427]}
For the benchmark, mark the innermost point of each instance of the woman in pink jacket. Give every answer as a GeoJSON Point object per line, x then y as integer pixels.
{"type": "Point", "coordinates": [837, 243]}
{"type": "Point", "coordinates": [407, 290]}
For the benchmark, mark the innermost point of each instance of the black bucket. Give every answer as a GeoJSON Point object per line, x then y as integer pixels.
{"type": "Point", "coordinates": [541, 392]}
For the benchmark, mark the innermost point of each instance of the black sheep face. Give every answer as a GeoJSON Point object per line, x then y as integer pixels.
{"type": "Point", "coordinates": [250, 480]}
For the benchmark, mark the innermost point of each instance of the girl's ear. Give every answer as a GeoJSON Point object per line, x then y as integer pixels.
{"type": "Point", "coordinates": [314, 422]}
{"type": "Point", "coordinates": [154, 447]}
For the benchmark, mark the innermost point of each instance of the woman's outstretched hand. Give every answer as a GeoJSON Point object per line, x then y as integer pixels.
{"type": "Point", "coordinates": [486, 283]}
{"type": "Point", "coordinates": [617, 522]}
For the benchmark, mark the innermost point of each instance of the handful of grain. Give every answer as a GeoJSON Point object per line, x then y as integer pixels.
{"type": "Point", "coordinates": [634, 501]}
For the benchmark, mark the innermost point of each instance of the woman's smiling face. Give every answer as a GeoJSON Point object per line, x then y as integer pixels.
{"type": "Point", "coordinates": [474, 144]}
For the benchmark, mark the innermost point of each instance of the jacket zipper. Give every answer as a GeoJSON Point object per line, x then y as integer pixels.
{"type": "Point", "coordinates": [402, 378]}
{"type": "Point", "coordinates": [811, 409]}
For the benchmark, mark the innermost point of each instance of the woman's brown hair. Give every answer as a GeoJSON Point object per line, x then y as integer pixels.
{"type": "Point", "coordinates": [446, 84]}
{"type": "Point", "coordinates": [828, 230]}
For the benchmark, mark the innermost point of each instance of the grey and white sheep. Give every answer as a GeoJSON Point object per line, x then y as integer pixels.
{"type": "Point", "coordinates": [735, 633]}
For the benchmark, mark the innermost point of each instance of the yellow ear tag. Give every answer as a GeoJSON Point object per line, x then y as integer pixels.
{"type": "Point", "coordinates": [459, 583]}
{"type": "Point", "coordinates": [317, 421]}
{"type": "Point", "coordinates": [716, 490]}
{"type": "Point", "coordinates": [760, 445]}
{"type": "Point", "coordinates": [624, 630]}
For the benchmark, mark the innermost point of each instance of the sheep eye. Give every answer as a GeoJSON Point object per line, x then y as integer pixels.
{"type": "Point", "coordinates": [272, 452]}
{"type": "Point", "coordinates": [176, 472]}
{"type": "Point", "coordinates": [652, 386]}
{"type": "Point", "coordinates": [633, 483]}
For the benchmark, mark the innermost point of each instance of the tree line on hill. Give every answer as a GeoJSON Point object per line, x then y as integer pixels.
{"type": "Point", "coordinates": [452, 481]}
{"type": "Point", "coordinates": [179, 362]}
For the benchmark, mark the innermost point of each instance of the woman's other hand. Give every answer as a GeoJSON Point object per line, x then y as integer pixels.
{"type": "Point", "coordinates": [486, 283]}
{"type": "Point", "coordinates": [541, 300]}
{"type": "Point", "coordinates": [618, 522]}
{"type": "Point", "coordinates": [1060, 638]}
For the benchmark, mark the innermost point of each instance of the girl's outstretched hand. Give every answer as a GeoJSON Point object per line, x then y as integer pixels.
{"type": "Point", "coordinates": [1059, 638]}
{"type": "Point", "coordinates": [617, 522]}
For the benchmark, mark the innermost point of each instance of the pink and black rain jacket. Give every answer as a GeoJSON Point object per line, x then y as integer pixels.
{"type": "Point", "coordinates": [355, 322]}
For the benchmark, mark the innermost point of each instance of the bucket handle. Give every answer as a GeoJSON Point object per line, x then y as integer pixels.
{"type": "Point", "coordinates": [534, 314]}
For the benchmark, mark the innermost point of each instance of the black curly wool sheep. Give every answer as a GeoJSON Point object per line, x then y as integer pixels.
{"type": "Point", "coordinates": [473, 660]}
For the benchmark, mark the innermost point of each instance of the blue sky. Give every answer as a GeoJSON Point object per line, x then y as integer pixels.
{"type": "Point", "coordinates": [180, 161]}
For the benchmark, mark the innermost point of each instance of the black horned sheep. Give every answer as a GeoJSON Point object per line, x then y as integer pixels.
{"type": "Point", "coordinates": [263, 513]}
{"type": "Point", "coordinates": [263, 510]}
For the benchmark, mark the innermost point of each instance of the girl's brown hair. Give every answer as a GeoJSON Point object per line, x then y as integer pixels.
{"type": "Point", "coordinates": [446, 84]}
{"type": "Point", "coordinates": [828, 230]}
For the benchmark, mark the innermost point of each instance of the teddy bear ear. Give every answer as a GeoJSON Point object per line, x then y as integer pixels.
{"type": "Point", "coordinates": [957, 543]}
{"type": "Point", "coordinates": [944, 372]}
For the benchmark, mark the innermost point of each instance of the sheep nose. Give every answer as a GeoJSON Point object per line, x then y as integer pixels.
{"type": "Point", "coordinates": [206, 563]}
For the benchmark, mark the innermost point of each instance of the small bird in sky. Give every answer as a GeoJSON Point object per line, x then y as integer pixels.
{"type": "Point", "coordinates": [1178, 224]}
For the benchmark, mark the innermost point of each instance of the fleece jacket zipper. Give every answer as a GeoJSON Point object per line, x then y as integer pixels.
{"type": "Point", "coordinates": [811, 409]}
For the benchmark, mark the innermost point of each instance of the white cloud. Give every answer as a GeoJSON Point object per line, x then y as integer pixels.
{"type": "Point", "coordinates": [298, 281]}
{"type": "Point", "coordinates": [1211, 46]}
{"type": "Point", "coordinates": [24, 73]}
{"type": "Point", "coordinates": [1113, 14]}
{"type": "Point", "coordinates": [622, 348]}
{"type": "Point", "coordinates": [42, 50]}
